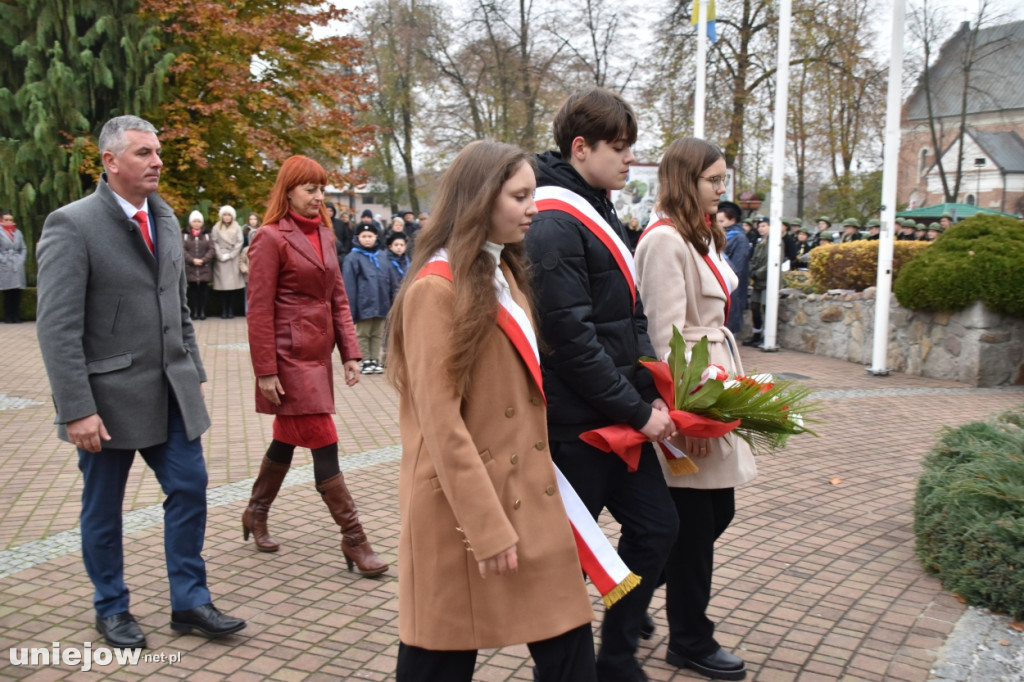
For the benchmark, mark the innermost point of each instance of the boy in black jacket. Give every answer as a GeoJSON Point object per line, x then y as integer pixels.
{"type": "Point", "coordinates": [593, 325]}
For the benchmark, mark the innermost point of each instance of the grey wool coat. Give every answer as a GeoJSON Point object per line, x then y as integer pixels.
{"type": "Point", "coordinates": [12, 261]}
{"type": "Point", "coordinates": [113, 323]}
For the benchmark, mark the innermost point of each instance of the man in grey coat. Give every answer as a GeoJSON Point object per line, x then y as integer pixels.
{"type": "Point", "coordinates": [126, 375]}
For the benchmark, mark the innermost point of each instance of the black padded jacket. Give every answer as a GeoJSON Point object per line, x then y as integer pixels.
{"type": "Point", "coordinates": [592, 335]}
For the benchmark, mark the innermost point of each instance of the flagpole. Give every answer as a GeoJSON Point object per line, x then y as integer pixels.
{"type": "Point", "coordinates": [771, 312]}
{"type": "Point", "coordinates": [702, 69]}
{"type": "Point", "coordinates": [883, 283]}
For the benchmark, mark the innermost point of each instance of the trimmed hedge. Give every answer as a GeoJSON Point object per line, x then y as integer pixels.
{"type": "Point", "coordinates": [982, 257]}
{"type": "Point", "coordinates": [854, 265]}
{"type": "Point", "coordinates": [969, 513]}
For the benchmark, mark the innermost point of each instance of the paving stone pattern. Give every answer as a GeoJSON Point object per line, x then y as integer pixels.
{"type": "Point", "coordinates": [815, 579]}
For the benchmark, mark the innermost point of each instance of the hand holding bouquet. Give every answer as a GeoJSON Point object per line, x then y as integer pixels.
{"type": "Point", "coordinates": [708, 403]}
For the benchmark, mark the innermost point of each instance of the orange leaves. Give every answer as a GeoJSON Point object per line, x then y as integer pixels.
{"type": "Point", "coordinates": [251, 85]}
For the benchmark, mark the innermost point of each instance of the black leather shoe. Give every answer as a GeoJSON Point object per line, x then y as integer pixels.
{"type": "Point", "coordinates": [207, 619]}
{"type": "Point", "coordinates": [120, 630]}
{"type": "Point", "coordinates": [721, 665]}
{"type": "Point", "coordinates": [647, 627]}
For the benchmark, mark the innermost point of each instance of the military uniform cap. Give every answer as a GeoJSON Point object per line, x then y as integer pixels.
{"type": "Point", "coordinates": [851, 222]}
{"type": "Point", "coordinates": [872, 223]}
{"type": "Point", "coordinates": [824, 219]}
{"type": "Point", "coordinates": [796, 222]}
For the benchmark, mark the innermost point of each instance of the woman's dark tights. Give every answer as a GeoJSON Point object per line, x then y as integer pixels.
{"type": "Point", "coordinates": [325, 459]}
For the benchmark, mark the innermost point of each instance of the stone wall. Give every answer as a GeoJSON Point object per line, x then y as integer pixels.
{"type": "Point", "coordinates": [974, 346]}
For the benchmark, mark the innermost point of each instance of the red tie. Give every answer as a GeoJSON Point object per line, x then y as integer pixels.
{"type": "Point", "coordinates": [143, 221]}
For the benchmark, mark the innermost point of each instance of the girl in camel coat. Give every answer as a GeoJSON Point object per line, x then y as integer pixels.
{"type": "Point", "coordinates": [486, 555]}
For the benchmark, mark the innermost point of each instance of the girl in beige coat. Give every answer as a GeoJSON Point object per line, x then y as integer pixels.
{"type": "Point", "coordinates": [486, 556]}
{"type": "Point", "coordinates": [685, 282]}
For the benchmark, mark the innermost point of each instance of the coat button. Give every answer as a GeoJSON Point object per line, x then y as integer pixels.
{"type": "Point", "coordinates": [536, 401]}
{"type": "Point", "coordinates": [516, 504]}
{"type": "Point", "coordinates": [550, 490]}
{"type": "Point", "coordinates": [323, 363]}
{"type": "Point", "coordinates": [515, 459]}
{"type": "Point", "coordinates": [539, 445]}
{"type": "Point", "coordinates": [510, 412]}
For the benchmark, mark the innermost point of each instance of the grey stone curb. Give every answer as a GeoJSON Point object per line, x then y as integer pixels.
{"type": "Point", "coordinates": [982, 648]}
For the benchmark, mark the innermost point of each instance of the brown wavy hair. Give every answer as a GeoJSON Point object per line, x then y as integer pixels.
{"type": "Point", "coordinates": [459, 223]}
{"type": "Point", "coordinates": [296, 170]}
{"type": "Point", "coordinates": [679, 197]}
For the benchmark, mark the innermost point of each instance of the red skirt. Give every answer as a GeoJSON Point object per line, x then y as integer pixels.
{"type": "Point", "coordinates": [305, 430]}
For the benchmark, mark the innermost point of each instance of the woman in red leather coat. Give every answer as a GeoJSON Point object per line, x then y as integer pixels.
{"type": "Point", "coordinates": [298, 312]}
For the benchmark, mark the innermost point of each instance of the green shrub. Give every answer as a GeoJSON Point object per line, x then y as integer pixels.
{"type": "Point", "coordinates": [800, 280]}
{"type": "Point", "coordinates": [969, 513]}
{"type": "Point", "coordinates": [980, 258]}
{"type": "Point", "coordinates": [854, 265]}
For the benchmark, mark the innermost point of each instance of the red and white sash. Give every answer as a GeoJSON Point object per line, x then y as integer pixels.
{"type": "Point", "coordinates": [598, 558]}
{"type": "Point", "coordinates": [551, 198]}
{"type": "Point", "coordinates": [655, 222]}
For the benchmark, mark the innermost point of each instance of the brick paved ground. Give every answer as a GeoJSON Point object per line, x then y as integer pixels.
{"type": "Point", "coordinates": [815, 580]}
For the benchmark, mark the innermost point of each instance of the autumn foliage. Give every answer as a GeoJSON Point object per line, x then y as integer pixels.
{"type": "Point", "coordinates": [252, 83]}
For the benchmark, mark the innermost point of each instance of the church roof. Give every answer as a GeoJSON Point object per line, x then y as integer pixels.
{"type": "Point", "coordinates": [997, 74]}
{"type": "Point", "coordinates": [1005, 149]}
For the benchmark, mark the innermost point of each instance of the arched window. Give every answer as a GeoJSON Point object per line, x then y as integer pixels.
{"type": "Point", "coordinates": [970, 199]}
{"type": "Point", "coordinates": [922, 166]}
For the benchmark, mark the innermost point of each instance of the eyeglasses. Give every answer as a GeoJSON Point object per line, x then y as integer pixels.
{"type": "Point", "coordinates": [716, 181]}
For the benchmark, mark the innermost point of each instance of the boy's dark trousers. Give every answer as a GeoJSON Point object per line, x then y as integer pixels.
{"type": "Point", "coordinates": [641, 503]}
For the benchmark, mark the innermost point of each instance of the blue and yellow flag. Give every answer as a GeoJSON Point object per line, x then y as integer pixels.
{"type": "Point", "coordinates": [712, 35]}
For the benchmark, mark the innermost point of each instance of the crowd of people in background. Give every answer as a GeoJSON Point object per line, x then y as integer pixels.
{"type": "Point", "coordinates": [374, 261]}
{"type": "Point", "coordinates": [746, 251]}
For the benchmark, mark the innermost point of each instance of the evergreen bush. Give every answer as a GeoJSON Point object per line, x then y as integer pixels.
{"type": "Point", "coordinates": [969, 513]}
{"type": "Point", "coordinates": [854, 265]}
{"type": "Point", "coordinates": [980, 258]}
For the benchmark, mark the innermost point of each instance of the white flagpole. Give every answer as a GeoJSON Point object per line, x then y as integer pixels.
{"type": "Point", "coordinates": [883, 283]}
{"type": "Point", "coordinates": [702, 69]}
{"type": "Point", "coordinates": [771, 311]}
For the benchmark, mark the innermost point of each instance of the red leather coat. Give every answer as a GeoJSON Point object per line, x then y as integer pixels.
{"type": "Point", "coordinates": [298, 311]}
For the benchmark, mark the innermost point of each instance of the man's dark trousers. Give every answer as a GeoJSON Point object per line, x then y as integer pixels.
{"type": "Point", "coordinates": [181, 471]}
{"type": "Point", "coordinates": [641, 503]}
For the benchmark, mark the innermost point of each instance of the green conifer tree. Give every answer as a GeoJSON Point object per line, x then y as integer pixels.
{"type": "Point", "coordinates": [65, 68]}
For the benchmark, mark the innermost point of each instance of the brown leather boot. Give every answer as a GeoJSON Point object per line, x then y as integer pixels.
{"type": "Point", "coordinates": [264, 491]}
{"type": "Point", "coordinates": [354, 544]}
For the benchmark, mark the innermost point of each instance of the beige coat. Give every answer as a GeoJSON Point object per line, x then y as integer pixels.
{"type": "Point", "coordinates": [477, 478]}
{"type": "Point", "coordinates": [227, 274]}
{"type": "Point", "coordinates": [678, 288]}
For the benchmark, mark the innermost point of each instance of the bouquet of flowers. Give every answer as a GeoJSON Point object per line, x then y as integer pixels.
{"type": "Point", "coordinates": [707, 403]}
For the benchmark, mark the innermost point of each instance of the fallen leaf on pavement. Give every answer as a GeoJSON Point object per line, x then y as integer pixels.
{"type": "Point", "coordinates": [835, 480]}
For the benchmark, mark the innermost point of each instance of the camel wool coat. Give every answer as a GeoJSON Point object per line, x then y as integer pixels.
{"type": "Point", "coordinates": [679, 288]}
{"type": "Point", "coordinates": [476, 478]}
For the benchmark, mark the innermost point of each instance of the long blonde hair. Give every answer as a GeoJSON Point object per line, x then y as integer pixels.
{"type": "Point", "coordinates": [459, 223]}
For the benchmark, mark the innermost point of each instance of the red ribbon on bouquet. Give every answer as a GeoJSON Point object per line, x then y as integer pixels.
{"type": "Point", "coordinates": [626, 442]}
